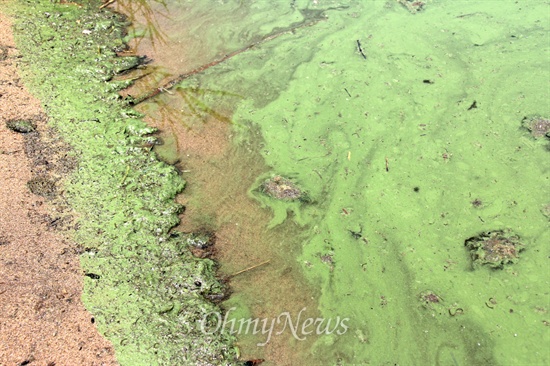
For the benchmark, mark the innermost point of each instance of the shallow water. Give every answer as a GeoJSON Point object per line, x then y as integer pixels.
{"type": "Point", "coordinates": [393, 149]}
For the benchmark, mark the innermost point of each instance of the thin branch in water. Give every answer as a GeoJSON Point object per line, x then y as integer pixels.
{"type": "Point", "coordinates": [248, 269]}
{"type": "Point", "coordinates": [311, 18]}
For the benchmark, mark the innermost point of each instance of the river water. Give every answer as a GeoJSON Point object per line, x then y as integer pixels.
{"type": "Point", "coordinates": [406, 131]}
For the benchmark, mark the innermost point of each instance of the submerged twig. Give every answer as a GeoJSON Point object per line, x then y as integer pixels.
{"type": "Point", "coordinates": [248, 269]}
{"type": "Point", "coordinates": [107, 4]}
{"type": "Point", "coordinates": [310, 19]}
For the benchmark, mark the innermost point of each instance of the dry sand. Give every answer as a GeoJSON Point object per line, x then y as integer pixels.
{"type": "Point", "coordinates": [42, 319]}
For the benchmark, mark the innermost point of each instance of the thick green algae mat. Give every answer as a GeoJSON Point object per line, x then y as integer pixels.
{"type": "Point", "coordinates": [390, 147]}
{"type": "Point", "coordinates": [406, 153]}
{"type": "Point", "coordinates": [143, 287]}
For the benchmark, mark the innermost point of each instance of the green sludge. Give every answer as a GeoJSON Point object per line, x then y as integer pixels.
{"type": "Point", "coordinates": [393, 151]}
{"type": "Point", "coordinates": [148, 300]}
{"type": "Point", "coordinates": [410, 103]}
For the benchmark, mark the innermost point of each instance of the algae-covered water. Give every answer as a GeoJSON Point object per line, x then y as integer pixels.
{"type": "Point", "coordinates": [406, 131]}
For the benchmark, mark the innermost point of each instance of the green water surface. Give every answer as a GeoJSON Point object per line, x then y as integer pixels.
{"type": "Point", "coordinates": [393, 148]}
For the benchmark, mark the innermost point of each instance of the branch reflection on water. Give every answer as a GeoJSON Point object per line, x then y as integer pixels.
{"type": "Point", "coordinates": [148, 17]}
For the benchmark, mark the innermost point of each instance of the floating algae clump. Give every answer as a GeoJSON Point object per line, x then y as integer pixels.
{"type": "Point", "coordinates": [539, 126]}
{"type": "Point", "coordinates": [283, 189]}
{"type": "Point", "coordinates": [494, 248]}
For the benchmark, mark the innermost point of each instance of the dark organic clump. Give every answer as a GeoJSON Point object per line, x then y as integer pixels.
{"type": "Point", "coordinates": [539, 126]}
{"type": "Point", "coordinates": [201, 239]}
{"type": "Point", "coordinates": [201, 243]}
{"type": "Point", "coordinates": [413, 6]}
{"type": "Point", "coordinates": [42, 186]}
{"type": "Point", "coordinates": [430, 299]}
{"type": "Point", "coordinates": [494, 248]}
{"type": "Point", "coordinates": [3, 53]}
{"type": "Point", "coordinates": [477, 203]}
{"type": "Point", "coordinates": [21, 125]}
{"type": "Point", "coordinates": [283, 189]}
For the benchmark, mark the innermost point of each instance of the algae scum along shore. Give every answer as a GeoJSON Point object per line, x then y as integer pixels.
{"type": "Point", "coordinates": [146, 291]}
{"type": "Point", "coordinates": [388, 165]}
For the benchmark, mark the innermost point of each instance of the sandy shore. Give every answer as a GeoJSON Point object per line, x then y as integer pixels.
{"type": "Point", "coordinates": [42, 319]}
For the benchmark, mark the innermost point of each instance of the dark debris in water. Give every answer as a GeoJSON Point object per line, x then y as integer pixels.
{"type": "Point", "coordinates": [21, 125]}
{"type": "Point", "coordinates": [284, 189]}
{"type": "Point", "coordinates": [201, 243]}
{"type": "Point", "coordinates": [42, 186]}
{"type": "Point", "coordinates": [429, 297]}
{"type": "Point", "coordinates": [3, 52]}
{"type": "Point", "coordinates": [200, 239]}
{"type": "Point", "coordinates": [413, 6]}
{"type": "Point", "coordinates": [537, 125]}
{"type": "Point", "coordinates": [431, 301]}
{"type": "Point", "coordinates": [494, 248]}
